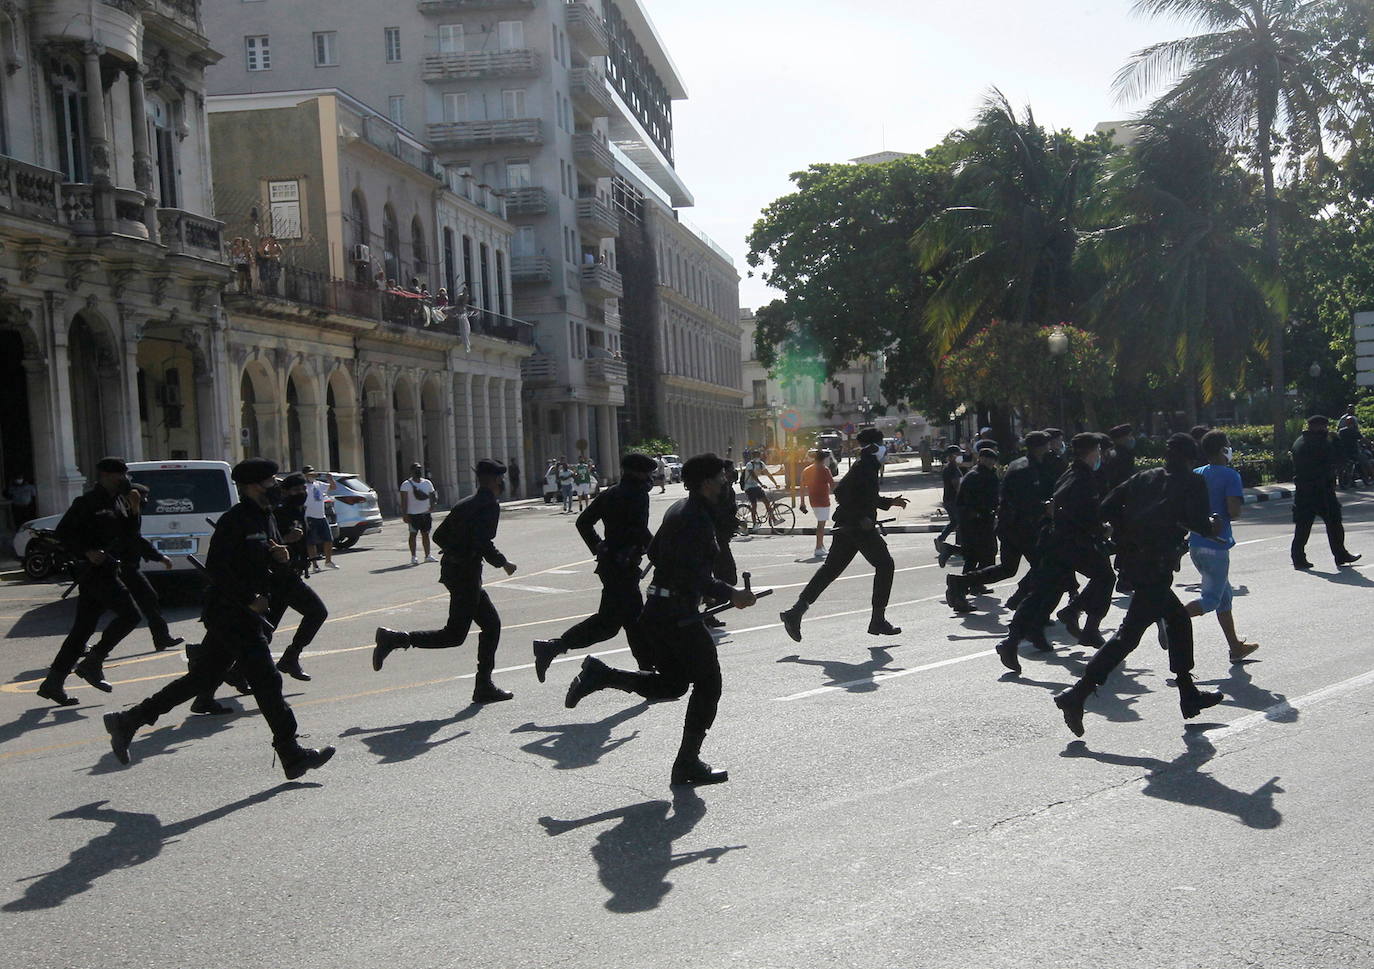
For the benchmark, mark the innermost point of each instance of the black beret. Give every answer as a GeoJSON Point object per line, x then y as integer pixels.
{"type": "Point", "coordinates": [1035, 439]}
{"type": "Point", "coordinates": [1183, 444]}
{"type": "Point", "coordinates": [1053, 433]}
{"type": "Point", "coordinates": [1086, 441]}
{"type": "Point", "coordinates": [870, 435]}
{"type": "Point", "coordinates": [953, 449]}
{"type": "Point", "coordinates": [1314, 419]}
{"type": "Point", "coordinates": [988, 449]}
{"type": "Point", "coordinates": [699, 468]}
{"type": "Point", "coordinates": [112, 465]}
{"type": "Point", "coordinates": [641, 463]}
{"type": "Point", "coordinates": [487, 468]}
{"type": "Point", "coordinates": [1122, 430]}
{"type": "Point", "coordinates": [293, 481]}
{"type": "Point", "coordinates": [254, 471]}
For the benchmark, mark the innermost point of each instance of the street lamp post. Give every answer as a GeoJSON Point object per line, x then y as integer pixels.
{"type": "Point", "coordinates": [1058, 342]}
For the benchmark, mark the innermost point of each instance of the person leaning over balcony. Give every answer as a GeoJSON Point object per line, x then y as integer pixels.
{"type": "Point", "coordinates": [1212, 553]}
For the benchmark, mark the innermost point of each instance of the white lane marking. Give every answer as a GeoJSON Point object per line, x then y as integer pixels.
{"type": "Point", "coordinates": [532, 588]}
{"type": "Point", "coordinates": [563, 571]}
{"type": "Point", "coordinates": [880, 677]}
{"type": "Point", "coordinates": [1279, 711]}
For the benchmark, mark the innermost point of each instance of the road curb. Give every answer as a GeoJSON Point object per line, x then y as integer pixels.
{"type": "Point", "coordinates": [1255, 496]}
{"type": "Point", "coordinates": [912, 529]}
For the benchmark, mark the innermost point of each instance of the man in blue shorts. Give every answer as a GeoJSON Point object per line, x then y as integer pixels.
{"type": "Point", "coordinates": [1212, 556]}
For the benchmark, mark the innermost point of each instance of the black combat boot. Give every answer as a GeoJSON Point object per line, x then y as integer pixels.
{"type": "Point", "coordinates": [1090, 635]}
{"type": "Point", "coordinates": [89, 670]}
{"type": "Point", "coordinates": [955, 596]}
{"type": "Point", "coordinates": [290, 664]}
{"type": "Point", "coordinates": [485, 691]}
{"type": "Point", "coordinates": [209, 705]}
{"type": "Point", "coordinates": [545, 651]}
{"type": "Point", "coordinates": [1193, 701]}
{"type": "Point", "coordinates": [1006, 652]}
{"type": "Point", "coordinates": [689, 768]}
{"type": "Point", "coordinates": [167, 641]}
{"type": "Point", "coordinates": [791, 620]}
{"type": "Point", "coordinates": [122, 728]}
{"type": "Point", "coordinates": [51, 689]}
{"type": "Point", "coordinates": [296, 760]}
{"type": "Point", "coordinates": [1070, 703]}
{"type": "Point", "coordinates": [387, 640]}
{"type": "Point", "coordinates": [1069, 617]}
{"type": "Point", "coordinates": [943, 552]}
{"type": "Point", "coordinates": [593, 676]}
{"type": "Point", "coordinates": [879, 626]}
{"type": "Point", "coordinates": [1347, 558]}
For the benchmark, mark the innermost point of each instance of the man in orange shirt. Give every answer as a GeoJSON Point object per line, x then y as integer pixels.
{"type": "Point", "coordinates": [816, 485]}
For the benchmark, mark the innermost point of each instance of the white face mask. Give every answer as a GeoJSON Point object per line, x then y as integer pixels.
{"type": "Point", "coordinates": [882, 452]}
{"type": "Point", "coordinates": [1226, 453]}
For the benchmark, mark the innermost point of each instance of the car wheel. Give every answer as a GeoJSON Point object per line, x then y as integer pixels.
{"type": "Point", "coordinates": [345, 542]}
{"type": "Point", "coordinates": [38, 565]}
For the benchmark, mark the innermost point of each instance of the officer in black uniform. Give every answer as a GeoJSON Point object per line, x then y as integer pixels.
{"type": "Point", "coordinates": [101, 529]}
{"type": "Point", "coordinates": [1150, 514]}
{"type": "Point", "coordinates": [131, 574]}
{"type": "Point", "coordinates": [1120, 464]}
{"type": "Point", "coordinates": [623, 512]}
{"type": "Point", "coordinates": [243, 550]}
{"type": "Point", "coordinates": [683, 554]}
{"type": "Point", "coordinates": [1026, 487]}
{"type": "Point", "coordinates": [1314, 494]}
{"type": "Point", "coordinates": [289, 588]}
{"type": "Point", "coordinates": [950, 476]}
{"type": "Point", "coordinates": [977, 501]}
{"type": "Point", "coordinates": [1056, 460]}
{"type": "Point", "coordinates": [856, 533]}
{"type": "Point", "coordinates": [1073, 545]}
{"type": "Point", "coordinates": [466, 537]}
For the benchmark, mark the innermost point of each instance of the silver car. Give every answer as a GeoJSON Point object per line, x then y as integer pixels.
{"type": "Point", "coordinates": [355, 507]}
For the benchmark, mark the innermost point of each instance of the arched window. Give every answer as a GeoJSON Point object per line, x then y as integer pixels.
{"type": "Point", "coordinates": [162, 141]}
{"type": "Point", "coordinates": [358, 216]}
{"type": "Point", "coordinates": [391, 245]}
{"type": "Point", "coordinates": [417, 249]}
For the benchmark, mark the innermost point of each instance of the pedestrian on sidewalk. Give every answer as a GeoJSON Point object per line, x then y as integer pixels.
{"type": "Point", "coordinates": [1315, 465]}
{"type": "Point", "coordinates": [1212, 554]}
{"type": "Point", "coordinates": [950, 475]}
{"type": "Point", "coordinates": [318, 539]}
{"type": "Point", "coordinates": [418, 500]}
{"type": "Point", "coordinates": [817, 484]}
{"type": "Point", "coordinates": [582, 482]}
{"type": "Point", "coordinates": [513, 472]}
{"type": "Point", "coordinates": [23, 497]}
{"type": "Point", "coordinates": [564, 476]}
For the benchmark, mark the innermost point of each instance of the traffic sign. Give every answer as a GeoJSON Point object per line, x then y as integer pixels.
{"type": "Point", "coordinates": [1365, 378]}
{"type": "Point", "coordinates": [849, 429]}
{"type": "Point", "coordinates": [791, 420]}
{"type": "Point", "coordinates": [1364, 349]}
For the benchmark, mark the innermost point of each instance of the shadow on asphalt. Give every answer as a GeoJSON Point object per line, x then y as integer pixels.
{"type": "Point", "coordinates": [133, 838]}
{"type": "Point", "coordinates": [1240, 691]}
{"type": "Point", "coordinates": [1115, 701]}
{"type": "Point", "coordinates": [1182, 782]}
{"type": "Point", "coordinates": [574, 745]}
{"type": "Point", "coordinates": [635, 857]}
{"type": "Point", "coordinates": [406, 741]}
{"type": "Point", "coordinates": [854, 677]}
{"type": "Point", "coordinates": [166, 740]}
{"type": "Point", "coordinates": [37, 719]}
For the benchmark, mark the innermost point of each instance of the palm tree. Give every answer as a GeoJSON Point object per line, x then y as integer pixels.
{"type": "Point", "coordinates": [1184, 290]}
{"type": "Point", "coordinates": [1257, 74]}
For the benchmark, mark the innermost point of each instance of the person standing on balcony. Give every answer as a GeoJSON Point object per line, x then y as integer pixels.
{"type": "Point", "coordinates": [318, 539]}
{"type": "Point", "coordinates": [418, 498]}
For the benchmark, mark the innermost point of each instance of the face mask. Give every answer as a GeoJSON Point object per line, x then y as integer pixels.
{"type": "Point", "coordinates": [1097, 465]}
{"type": "Point", "coordinates": [124, 487]}
{"type": "Point", "coordinates": [274, 494]}
{"type": "Point", "coordinates": [882, 452]}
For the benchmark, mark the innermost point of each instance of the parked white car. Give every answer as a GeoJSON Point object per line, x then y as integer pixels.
{"type": "Point", "coordinates": [356, 511]}
{"type": "Point", "coordinates": [672, 467]}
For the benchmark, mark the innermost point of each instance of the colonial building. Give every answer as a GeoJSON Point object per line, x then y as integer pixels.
{"type": "Point", "coordinates": [111, 333]}
{"type": "Point", "coordinates": [334, 360]}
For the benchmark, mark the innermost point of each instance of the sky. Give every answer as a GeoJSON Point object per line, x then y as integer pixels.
{"type": "Point", "coordinates": [775, 85]}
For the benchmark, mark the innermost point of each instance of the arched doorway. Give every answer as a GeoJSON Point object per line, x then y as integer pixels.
{"type": "Point", "coordinates": [248, 419]}
{"type": "Point", "coordinates": [343, 425]}
{"type": "Point", "coordinates": [407, 444]}
{"type": "Point", "coordinates": [260, 413]}
{"type": "Point", "coordinates": [95, 398]}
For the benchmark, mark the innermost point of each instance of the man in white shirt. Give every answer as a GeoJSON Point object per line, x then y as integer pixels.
{"type": "Point", "coordinates": [318, 539]}
{"type": "Point", "coordinates": [418, 499]}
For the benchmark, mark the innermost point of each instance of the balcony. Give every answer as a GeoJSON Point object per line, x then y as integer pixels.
{"type": "Point", "coordinates": [478, 64]}
{"type": "Point", "coordinates": [479, 134]}
{"type": "Point", "coordinates": [590, 94]}
{"type": "Point", "coordinates": [607, 371]}
{"type": "Point", "coordinates": [600, 281]}
{"type": "Point", "coordinates": [530, 270]}
{"type": "Point", "coordinates": [526, 200]}
{"type": "Point", "coordinates": [540, 370]}
{"type": "Point", "coordinates": [183, 14]}
{"type": "Point", "coordinates": [587, 30]}
{"type": "Point", "coordinates": [593, 155]}
{"type": "Point", "coordinates": [474, 6]}
{"type": "Point", "coordinates": [30, 191]}
{"type": "Point", "coordinates": [487, 323]}
{"type": "Point", "coordinates": [186, 234]}
{"type": "Point", "coordinates": [82, 210]}
{"type": "Point", "coordinates": [596, 219]}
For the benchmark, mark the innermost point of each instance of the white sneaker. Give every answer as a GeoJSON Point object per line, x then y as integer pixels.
{"type": "Point", "coordinates": [414, 560]}
{"type": "Point", "coordinates": [430, 558]}
{"type": "Point", "coordinates": [332, 565]}
{"type": "Point", "coordinates": [820, 553]}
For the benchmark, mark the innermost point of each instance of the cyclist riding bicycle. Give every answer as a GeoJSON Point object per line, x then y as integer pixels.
{"type": "Point", "coordinates": [752, 484]}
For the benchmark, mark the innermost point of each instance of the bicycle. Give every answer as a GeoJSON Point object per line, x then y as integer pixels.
{"type": "Point", "coordinates": [779, 516]}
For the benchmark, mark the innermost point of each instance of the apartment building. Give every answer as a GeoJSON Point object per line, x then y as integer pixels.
{"type": "Point", "coordinates": [111, 332]}
{"type": "Point", "coordinates": [542, 102]}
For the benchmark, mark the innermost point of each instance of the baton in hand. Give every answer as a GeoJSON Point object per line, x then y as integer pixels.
{"type": "Point", "coordinates": [109, 560]}
{"type": "Point", "coordinates": [724, 606]}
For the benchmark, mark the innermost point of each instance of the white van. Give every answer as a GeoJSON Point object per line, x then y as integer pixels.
{"type": "Point", "coordinates": [182, 495]}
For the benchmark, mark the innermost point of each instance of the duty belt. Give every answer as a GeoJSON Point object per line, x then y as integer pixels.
{"type": "Point", "coordinates": [658, 591]}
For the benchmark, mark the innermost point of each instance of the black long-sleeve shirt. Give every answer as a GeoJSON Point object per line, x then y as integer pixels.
{"type": "Point", "coordinates": [100, 521]}
{"type": "Point", "coordinates": [467, 537]}
{"type": "Point", "coordinates": [1151, 514]}
{"type": "Point", "coordinates": [239, 563]}
{"type": "Point", "coordinates": [1026, 486]}
{"type": "Point", "coordinates": [856, 494]}
{"type": "Point", "coordinates": [684, 551]}
{"type": "Point", "coordinates": [1314, 461]}
{"type": "Point", "coordinates": [950, 477]}
{"type": "Point", "coordinates": [1078, 506]}
{"type": "Point", "coordinates": [978, 495]}
{"type": "Point", "coordinates": [623, 512]}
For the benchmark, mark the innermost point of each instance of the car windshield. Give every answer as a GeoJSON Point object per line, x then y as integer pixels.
{"type": "Point", "coordinates": [670, 459]}
{"type": "Point", "coordinates": [184, 491]}
{"type": "Point", "coordinates": [352, 482]}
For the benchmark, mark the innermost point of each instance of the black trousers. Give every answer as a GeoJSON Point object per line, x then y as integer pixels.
{"type": "Point", "coordinates": [1150, 603]}
{"type": "Point", "coordinates": [1307, 508]}
{"type": "Point", "coordinates": [145, 596]}
{"type": "Point", "coordinates": [951, 526]}
{"type": "Point", "coordinates": [978, 542]}
{"type": "Point", "coordinates": [848, 542]}
{"type": "Point", "coordinates": [229, 640]}
{"type": "Point", "coordinates": [1014, 549]}
{"type": "Point", "coordinates": [293, 592]}
{"type": "Point", "coordinates": [100, 591]}
{"type": "Point", "coordinates": [621, 605]}
{"type": "Point", "coordinates": [1054, 576]}
{"type": "Point", "coordinates": [684, 658]}
{"type": "Point", "coordinates": [468, 603]}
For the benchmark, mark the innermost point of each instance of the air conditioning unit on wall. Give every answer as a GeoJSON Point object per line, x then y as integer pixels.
{"type": "Point", "coordinates": [362, 253]}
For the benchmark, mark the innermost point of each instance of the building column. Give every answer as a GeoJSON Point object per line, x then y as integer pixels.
{"type": "Point", "coordinates": [271, 442]}
{"type": "Point", "coordinates": [481, 429]}
{"type": "Point", "coordinates": [314, 435]}
{"type": "Point", "coordinates": [350, 440]}
{"type": "Point", "coordinates": [615, 441]}
{"type": "Point", "coordinates": [609, 460]}
{"type": "Point", "coordinates": [448, 431]}
{"type": "Point", "coordinates": [515, 430]}
{"type": "Point", "coordinates": [501, 424]}
{"type": "Point", "coordinates": [465, 448]}
{"type": "Point", "coordinates": [99, 139]}
{"type": "Point", "coordinates": [143, 159]}
{"type": "Point", "coordinates": [131, 426]}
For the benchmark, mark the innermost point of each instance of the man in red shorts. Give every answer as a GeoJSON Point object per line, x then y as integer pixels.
{"type": "Point", "coordinates": [816, 485]}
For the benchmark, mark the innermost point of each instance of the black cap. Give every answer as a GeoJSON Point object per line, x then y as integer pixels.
{"type": "Point", "coordinates": [988, 449]}
{"type": "Point", "coordinates": [952, 450]}
{"type": "Point", "coordinates": [1182, 445]}
{"type": "Point", "coordinates": [293, 481]}
{"type": "Point", "coordinates": [1086, 441]}
{"type": "Point", "coordinates": [487, 468]}
{"type": "Point", "coordinates": [640, 463]}
{"type": "Point", "coordinates": [254, 471]}
{"type": "Point", "coordinates": [1053, 433]}
{"type": "Point", "coordinates": [1122, 430]}
{"type": "Point", "coordinates": [699, 468]}
{"type": "Point", "coordinates": [112, 465]}
{"type": "Point", "coordinates": [870, 435]}
{"type": "Point", "coordinates": [1035, 439]}
{"type": "Point", "coordinates": [1314, 419]}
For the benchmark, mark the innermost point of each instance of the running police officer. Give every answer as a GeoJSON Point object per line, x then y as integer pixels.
{"type": "Point", "coordinates": [856, 533]}
{"type": "Point", "coordinates": [131, 574]}
{"type": "Point", "coordinates": [977, 501]}
{"type": "Point", "coordinates": [289, 588]}
{"type": "Point", "coordinates": [101, 529]}
{"type": "Point", "coordinates": [1120, 465]}
{"type": "Point", "coordinates": [243, 551]}
{"type": "Point", "coordinates": [1151, 514]}
{"type": "Point", "coordinates": [950, 476]}
{"type": "Point", "coordinates": [623, 512]}
{"type": "Point", "coordinates": [683, 554]}
{"type": "Point", "coordinates": [466, 538]}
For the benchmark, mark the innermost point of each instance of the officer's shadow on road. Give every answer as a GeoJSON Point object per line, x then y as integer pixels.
{"type": "Point", "coordinates": [165, 740]}
{"type": "Point", "coordinates": [984, 625]}
{"type": "Point", "coordinates": [853, 677]}
{"type": "Point", "coordinates": [50, 619]}
{"type": "Point", "coordinates": [1347, 576]}
{"type": "Point", "coordinates": [1240, 691]}
{"type": "Point", "coordinates": [405, 741]}
{"type": "Point", "coordinates": [38, 719]}
{"type": "Point", "coordinates": [574, 745]}
{"type": "Point", "coordinates": [133, 838]}
{"type": "Point", "coordinates": [635, 857]}
{"type": "Point", "coordinates": [1182, 781]}
{"type": "Point", "coordinates": [403, 567]}
{"type": "Point", "coordinates": [1115, 701]}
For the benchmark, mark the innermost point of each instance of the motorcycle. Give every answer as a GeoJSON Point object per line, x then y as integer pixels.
{"type": "Point", "coordinates": [1361, 468]}
{"type": "Point", "coordinates": [46, 556]}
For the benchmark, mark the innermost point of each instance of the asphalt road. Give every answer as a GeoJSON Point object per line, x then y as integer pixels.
{"type": "Point", "coordinates": [893, 802]}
